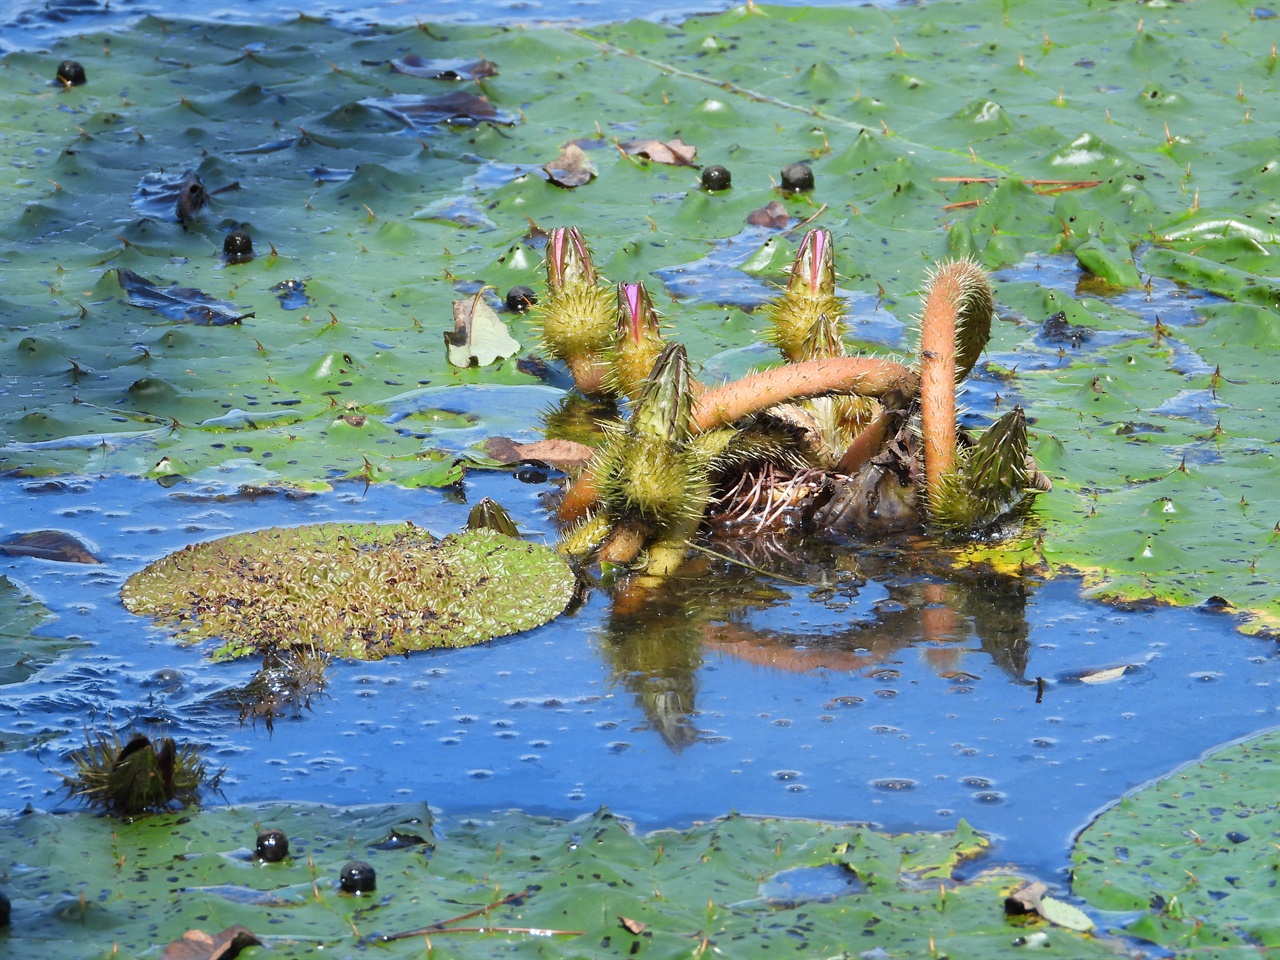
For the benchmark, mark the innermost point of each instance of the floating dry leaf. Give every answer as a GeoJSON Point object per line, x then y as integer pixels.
{"type": "Point", "coordinates": [567, 455]}
{"type": "Point", "coordinates": [572, 168]}
{"type": "Point", "coordinates": [198, 945]}
{"type": "Point", "coordinates": [1104, 676]}
{"type": "Point", "coordinates": [674, 151]}
{"type": "Point", "coordinates": [774, 214]}
{"type": "Point", "coordinates": [479, 337]}
{"type": "Point", "coordinates": [632, 926]}
{"type": "Point", "coordinates": [1064, 914]}
{"type": "Point", "coordinates": [48, 545]}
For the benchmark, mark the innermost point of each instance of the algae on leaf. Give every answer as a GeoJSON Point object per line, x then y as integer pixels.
{"type": "Point", "coordinates": [364, 591]}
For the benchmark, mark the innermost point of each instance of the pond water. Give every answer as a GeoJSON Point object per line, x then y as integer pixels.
{"type": "Point", "coordinates": [895, 694]}
{"type": "Point", "coordinates": [887, 689]}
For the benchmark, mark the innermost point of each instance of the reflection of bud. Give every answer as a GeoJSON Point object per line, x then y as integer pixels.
{"type": "Point", "coordinates": [637, 341]}
{"type": "Point", "coordinates": [810, 298]}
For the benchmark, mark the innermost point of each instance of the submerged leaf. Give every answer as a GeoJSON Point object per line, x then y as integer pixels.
{"type": "Point", "coordinates": [444, 69]}
{"type": "Point", "coordinates": [48, 545]}
{"type": "Point", "coordinates": [421, 112]}
{"type": "Point", "coordinates": [182, 304]}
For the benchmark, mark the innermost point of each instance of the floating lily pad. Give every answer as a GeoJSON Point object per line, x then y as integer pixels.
{"type": "Point", "coordinates": [1150, 160]}
{"type": "Point", "coordinates": [510, 885]}
{"type": "Point", "coordinates": [364, 591]}
{"type": "Point", "coordinates": [1197, 852]}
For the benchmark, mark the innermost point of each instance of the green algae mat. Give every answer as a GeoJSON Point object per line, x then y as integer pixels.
{"type": "Point", "coordinates": [383, 175]}
{"type": "Point", "coordinates": [1187, 863]}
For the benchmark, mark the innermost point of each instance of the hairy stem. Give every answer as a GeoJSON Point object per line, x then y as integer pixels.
{"type": "Point", "coordinates": [938, 375]}
{"type": "Point", "coordinates": [799, 381]}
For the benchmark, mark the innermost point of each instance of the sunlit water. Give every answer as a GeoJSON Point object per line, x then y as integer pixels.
{"type": "Point", "coordinates": [908, 699]}
{"type": "Point", "coordinates": [905, 732]}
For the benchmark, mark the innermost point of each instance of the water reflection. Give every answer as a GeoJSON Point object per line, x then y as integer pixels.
{"type": "Point", "coordinates": [870, 610]}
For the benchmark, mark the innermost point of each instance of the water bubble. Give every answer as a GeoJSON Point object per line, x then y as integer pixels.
{"type": "Point", "coordinates": [977, 783]}
{"type": "Point", "coordinates": [785, 775]}
{"type": "Point", "coordinates": [479, 774]}
{"type": "Point", "coordinates": [894, 784]}
{"type": "Point", "coordinates": [988, 797]}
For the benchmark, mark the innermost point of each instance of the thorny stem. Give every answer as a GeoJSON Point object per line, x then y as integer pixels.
{"type": "Point", "coordinates": [938, 375]}
{"type": "Point", "coordinates": [800, 381]}
{"type": "Point", "coordinates": [759, 391]}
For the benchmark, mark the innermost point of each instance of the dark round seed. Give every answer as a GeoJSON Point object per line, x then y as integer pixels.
{"type": "Point", "coordinates": [358, 877]}
{"type": "Point", "coordinates": [71, 73]}
{"type": "Point", "coordinates": [1235, 836]}
{"type": "Point", "coordinates": [797, 178]}
{"type": "Point", "coordinates": [238, 246]}
{"type": "Point", "coordinates": [273, 846]}
{"type": "Point", "coordinates": [716, 177]}
{"type": "Point", "coordinates": [521, 298]}
{"type": "Point", "coordinates": [527, 474]}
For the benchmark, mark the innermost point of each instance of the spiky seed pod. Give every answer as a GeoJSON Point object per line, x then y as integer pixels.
{"type": "Point", "coordinates": [637, 341]}
{"type": "Point", "coordinates": [585, 538]}
{"type": "Point", "coordinates": [665, 402]}
{"type": "Point", "coordinates": [577, 315]}
{"type": "Point", "coordinates": [810, 295]}
{"type": "Point", "coordinates": [990, 480]}
{"type": "Point", "coordinates": [649, 470]}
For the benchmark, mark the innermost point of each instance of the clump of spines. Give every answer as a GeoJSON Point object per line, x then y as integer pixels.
{"type": "Point", "coordinates": [134, 778]}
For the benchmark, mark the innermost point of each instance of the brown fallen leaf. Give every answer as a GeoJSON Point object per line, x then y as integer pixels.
{"type": "Point", "coordinates": [1025, 900]}
{"type": "Point", "coordinates": [675, 151]}
{"type": "Point", "coordinates": [632, 926]}
{"type": "Point", "coordinates": [452, 69]}
{"type": "Point", "coordinates": [572, 168]}
{"type": "Point", "coordinates": [772, 215]}
{"type": "Point", "coordinates": [48, 545]}
{"type": "Point", "coordinates": [198, 945]}
{"type": "Point", "coordinates": [567, 455]}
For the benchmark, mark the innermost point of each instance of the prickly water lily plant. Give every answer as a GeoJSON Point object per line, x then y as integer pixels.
{"type": "Point", "coordinates": [878, 439]}
{"type": "Point", "coordinates": [355, 590]}
{"type": "Point", "coordinates": [577, 314]}
{"type": "Point", "coordinates": [137, 777]}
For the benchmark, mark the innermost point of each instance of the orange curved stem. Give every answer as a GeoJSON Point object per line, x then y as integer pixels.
{"type": "Point", "coordinates": [938, 376]}
{"type": "Point", "coordinates": [864, 376]}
